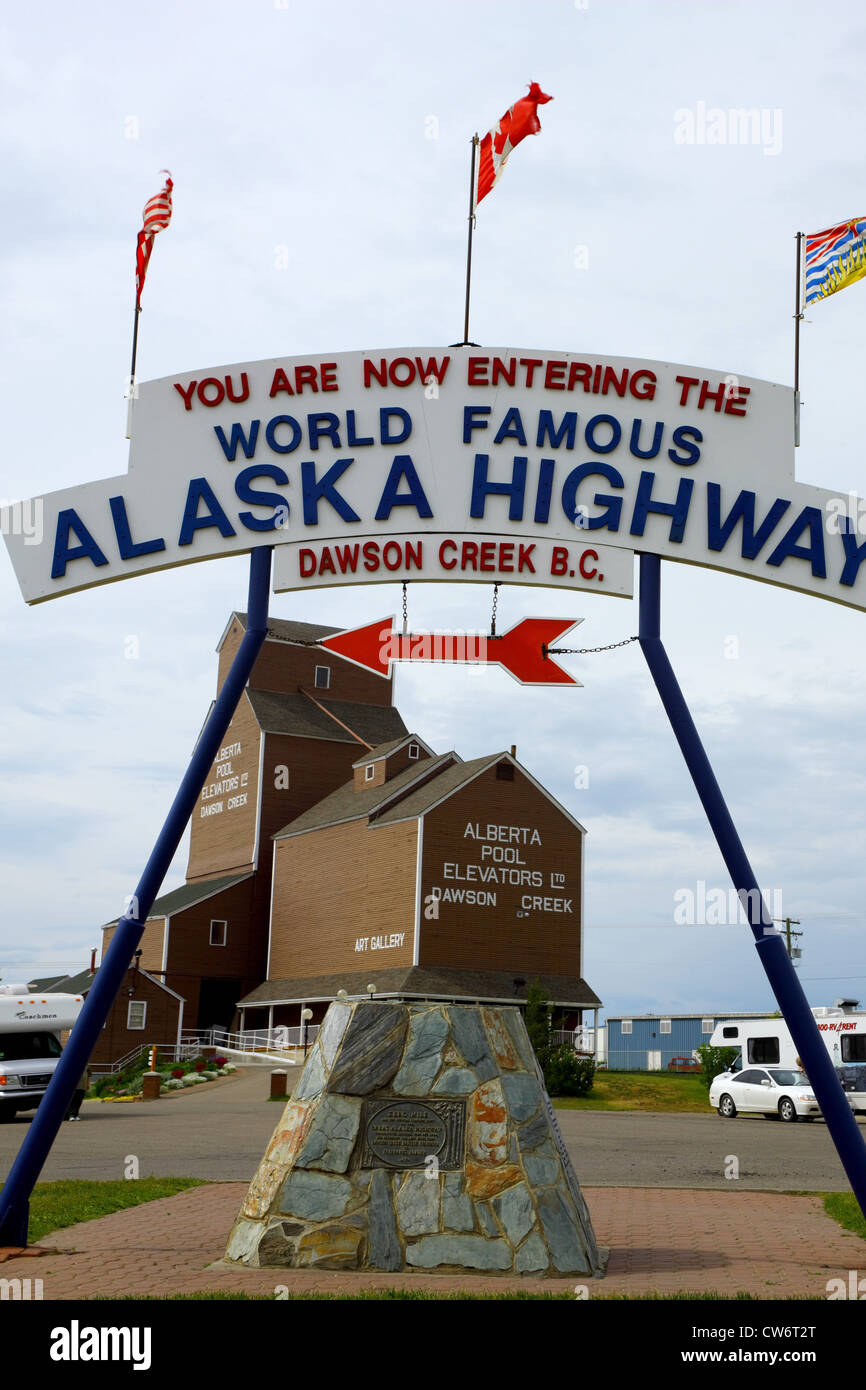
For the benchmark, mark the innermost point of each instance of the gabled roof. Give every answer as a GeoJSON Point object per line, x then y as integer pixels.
{"type": "Point", "coordinates": [303, 718]}
{"type": "Point", "coordinates": [189, 894]}
{"type": "Point", "coordinates": [347, 804]}
{"type": "Point", "coordinates": [384, 750]}
{"type": "Point", "coordinates": [71, 984]}
{"type": "Point", "coordinates": [430, 795]}
{"type": "Point", "coordinates": [81, 983]}
{"type": "Point", "coordinates": [401, 799]}
{"type": "Point", "coordinates": [439, 789]}
{"type": "Point", "coordinates": [283, 630]}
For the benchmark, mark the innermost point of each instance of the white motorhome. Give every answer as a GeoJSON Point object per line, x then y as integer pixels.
{"type": "Point", "coordinates": [767, 1042]}
{"type": "Point", "coordinates": [30, 1045]}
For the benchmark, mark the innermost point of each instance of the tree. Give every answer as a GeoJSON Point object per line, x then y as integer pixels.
{"type": "Point", "coordinates": [538, 1016]}
{"type": "Point", "coordinates": [565, 1073]}
{"type": "Point", "coordinates": [714, 1060]}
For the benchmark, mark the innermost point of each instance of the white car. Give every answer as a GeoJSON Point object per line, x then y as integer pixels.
{"type": "Point", "coordinates": [777, 1092]}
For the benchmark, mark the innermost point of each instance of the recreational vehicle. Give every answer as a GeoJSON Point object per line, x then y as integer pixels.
{"type": "Point", "coordinates": [30, 1045]}
{"type": "Point", "coordinates": [767, 1042]}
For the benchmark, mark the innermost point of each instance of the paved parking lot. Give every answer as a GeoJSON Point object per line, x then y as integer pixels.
{"type": "Point", "coordinates": [220, 1131]}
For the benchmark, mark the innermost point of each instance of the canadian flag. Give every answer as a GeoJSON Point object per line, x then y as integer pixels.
{"type": "Point", "coordinates": [519, 120]}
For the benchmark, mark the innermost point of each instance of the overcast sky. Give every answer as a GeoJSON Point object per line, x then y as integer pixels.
{"type": "Point", "coordinates": [335, 136]}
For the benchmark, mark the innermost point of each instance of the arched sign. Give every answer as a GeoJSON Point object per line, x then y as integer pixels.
{"type": "Point", "coordinates": [488, 465]}
{"type": "Point", "coordinates": [492, 465]}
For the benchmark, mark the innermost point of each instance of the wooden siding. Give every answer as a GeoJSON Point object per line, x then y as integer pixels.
{"type": "Point", "coordinates": [386, 768]}
{"type": "Point", "coordinates": [224, 843]}
{"type": "Point", "coordinates": [160, 1025]}
{"type": "Point", "coordinates": [151, 944]}
{"type": "Point", "coordinates": [508, 934]}
{"type": "Point", "coordinates": [337, 887]}
{"type": "Point", "coordinates": [286, 666]}
{"type": "Point", "coordinates": [190, 953]}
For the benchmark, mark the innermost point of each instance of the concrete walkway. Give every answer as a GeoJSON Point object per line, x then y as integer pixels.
{"type": "Point", "coordinates": [661, 1241]}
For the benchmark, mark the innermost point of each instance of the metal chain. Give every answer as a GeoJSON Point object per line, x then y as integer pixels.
{"type": "Point", "coordinates": [586, 651]}
{"type": "Point", "coordinates": [405, 610]}
{"type": "Point", "coordinates": [493, 614]}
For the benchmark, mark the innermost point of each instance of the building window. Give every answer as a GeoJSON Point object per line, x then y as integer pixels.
{"type": "Point", "coordinates": [504, 772]}
{"type": "Point", "coordinates": [414, 751]}
{"type": "Point", "coordinates": [369, 772]}
{"type": "Point", "coordinates": [323, 677]}
{"type": "Point", "coordinates": [664, 1025]}
{"type": "Point", "coordinates": [706, 1025]}
{"type": "Point", "coordinates": [136, 1013]}
{"type": "Point", "coordinates": [218, 933]}
{"type": "Point", "coordinates": [625, 1025]}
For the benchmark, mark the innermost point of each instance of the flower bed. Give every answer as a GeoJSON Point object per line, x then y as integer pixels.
{"type": "Point", "coordinates": [175, 1076]}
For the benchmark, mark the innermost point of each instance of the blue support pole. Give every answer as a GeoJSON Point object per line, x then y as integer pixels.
{"type": "Point", "coordinates": [23, 1175]}
{"type": "Point", "coordinates": [780, 972]}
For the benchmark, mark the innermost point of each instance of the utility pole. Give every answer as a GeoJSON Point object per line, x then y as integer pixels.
{"type": "Point", "coordinates": [789, 922]}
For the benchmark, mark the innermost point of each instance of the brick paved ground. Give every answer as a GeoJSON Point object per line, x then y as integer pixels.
{"type": "Point", "coordinates": [661, 1240]}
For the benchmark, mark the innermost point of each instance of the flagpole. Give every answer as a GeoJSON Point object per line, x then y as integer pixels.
{"type": "Point", "coordinates": [131, 396]}
{"type": "Point", "coordinates": [469, 244]}
{"type": "Point", "coordinates": [798, 314]}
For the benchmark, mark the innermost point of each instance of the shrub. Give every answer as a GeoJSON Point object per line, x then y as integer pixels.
{"type": "Point", "coordinates": [537, 1018]}
{"type": "Point", "coordinates": [567, 1074]}
{"type": "Point", "coordinates": [714, 1060]}
{"type": "Point", "coordinates": [219, 1062]}
{"type": "Point", "coordinates": [178, 1072]}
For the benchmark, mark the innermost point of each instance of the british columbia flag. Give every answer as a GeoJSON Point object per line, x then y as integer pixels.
{"type": "Point", "coordinates": [835, 258]}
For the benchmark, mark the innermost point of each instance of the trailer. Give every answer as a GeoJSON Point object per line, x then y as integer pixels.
{"type": "Point", "coordinates": [768, 1042]}
{"type": "Point", "coordinates": [31, 1044]}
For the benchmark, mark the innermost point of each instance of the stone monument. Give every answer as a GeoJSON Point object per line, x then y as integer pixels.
{"type": "Point", "coordinates": [419, 1137]}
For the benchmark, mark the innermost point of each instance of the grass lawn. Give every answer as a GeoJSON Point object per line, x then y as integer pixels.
{"type": "Point", "coordinates": [674, 1092]}
{"type": "Point", "coordinates": [57, 1204]}
{"type": "Point", "coordinates": [843, 1207]}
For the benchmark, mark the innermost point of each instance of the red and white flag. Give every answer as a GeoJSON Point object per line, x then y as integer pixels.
{"type": "Point", "coordinates": [157, 215]}
{"type": "Point", "coordinates": [519, 120]}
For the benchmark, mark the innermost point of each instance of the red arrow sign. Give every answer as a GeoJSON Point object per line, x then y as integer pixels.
{"type": "Point", "coordinates": [520, 651]}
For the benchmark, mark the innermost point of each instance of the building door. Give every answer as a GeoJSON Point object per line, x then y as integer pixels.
{"type": "Point", "coordinates": [654, 1061]}
{"type": "Point", "coordinates": [217, 1002]}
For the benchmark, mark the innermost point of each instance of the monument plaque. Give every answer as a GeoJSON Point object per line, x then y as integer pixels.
{"type": "Point", "coordinates": [398, 1133]}
{"type": "Point", "coordinates": [431, 1147]}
